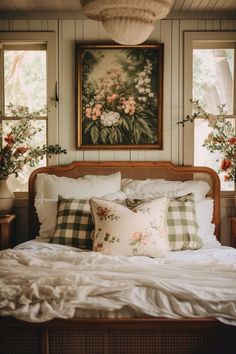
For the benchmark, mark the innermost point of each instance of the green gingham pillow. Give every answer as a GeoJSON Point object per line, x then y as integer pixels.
{"type": "Point", "coordinates": [181, 222]}
{"type": "Point", "coordinates": [74, 223]}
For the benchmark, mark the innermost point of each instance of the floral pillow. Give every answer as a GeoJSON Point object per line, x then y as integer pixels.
{"type": "Point", "coordinates": [141, 231]}
{"type": "Point", "coordinates": [181, 222]}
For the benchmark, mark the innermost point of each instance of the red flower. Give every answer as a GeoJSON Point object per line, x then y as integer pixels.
{"type": "Point", "coordinates": [21, 150]}
{"type": "Point", "coordinates": [232, 141]}
{"type": "Point", "coordinates": [102, 212]}
{"type": "Point", "coordinates": [227, 178]}
{"type": "Point", "coordinates": [9, 139]}
{"type": "Point", "coordinates": [225, 164]}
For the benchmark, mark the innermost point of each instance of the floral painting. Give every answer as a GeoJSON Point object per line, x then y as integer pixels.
{"type": "Point", "coordinates": [119, 96]}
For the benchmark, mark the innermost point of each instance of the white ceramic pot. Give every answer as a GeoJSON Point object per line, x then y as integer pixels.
{"type": "Point", "coordinates": [6, 197]}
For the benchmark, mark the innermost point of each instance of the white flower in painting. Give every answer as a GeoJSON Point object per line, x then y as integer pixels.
{"type": "Point", "coordinates": [144, 99]}
{"type": "Point", "coordinates": [148, 90]}
{"type": "Point", "coordinates": [110, 118]}
{"type": "Point", "coordinates": [147, 80]}
{"type": "Point", "coordinates": [151, 94]}
{"type": "Point", "coordinates": [140, 82]}
{"type": "Point", "coordinates": [141, 90]}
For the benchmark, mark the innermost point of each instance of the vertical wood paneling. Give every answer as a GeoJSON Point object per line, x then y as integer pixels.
{"type": "Point", "coordinates": [224, 25]}
{"type": "Point", "coordinates": [201, 25]}
{"type": "Point", "coordinates": [175, 130]}
{"type": "Point", "coordinates": [136, 155]}
{"type": "Point", "coordinates": [66, 89]}
{"type": "Point", "coordinates": [35, 25]}
{"type": "Point", "coordinates": [19, 25]}
{"type": "Point", "coordinates": [122, 155]}
{"type": "Point", "coordinates": [166, 33]}
{"type": "Point", "coordinates": [215, 25]}
{"type": "Point", "coordinates": [185, 93]}
{"type": "Point", "coordinates": [4, 25]}
{"type": "Point", "coordinates": [209, 25]}
{"type": "Point", "coordinates": [79, 36]}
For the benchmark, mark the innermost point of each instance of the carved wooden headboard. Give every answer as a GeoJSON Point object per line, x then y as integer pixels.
{"type": "Point", "coordinates": [135, 170]}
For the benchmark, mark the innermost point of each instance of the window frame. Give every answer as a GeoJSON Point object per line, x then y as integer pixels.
{"type": "Point", "coordinates": [193, 40]}
{"type": "Point", "coordinates": [47, 39]}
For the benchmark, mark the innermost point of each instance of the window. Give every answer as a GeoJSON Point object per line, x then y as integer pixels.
{"type": "Point", "coordinates": [26, 80]}
{"type": "Point", "coordinates": [212, 83]}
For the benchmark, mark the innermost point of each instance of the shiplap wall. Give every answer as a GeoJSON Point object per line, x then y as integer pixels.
{"type": "Point", "coordinates": [169, 32]}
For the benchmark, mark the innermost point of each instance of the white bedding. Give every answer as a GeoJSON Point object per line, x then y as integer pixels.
{"type": "Point", "coordinates": [40, 281]}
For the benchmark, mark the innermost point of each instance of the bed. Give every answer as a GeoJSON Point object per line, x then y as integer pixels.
{"type": "Point", "coordinates": [130, 327]}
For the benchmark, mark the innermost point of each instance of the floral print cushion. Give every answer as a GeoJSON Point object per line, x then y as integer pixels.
{"type": "Point", "coordinates": [141, 231]}
{"type": "Point", "coordinates": [181, 222]}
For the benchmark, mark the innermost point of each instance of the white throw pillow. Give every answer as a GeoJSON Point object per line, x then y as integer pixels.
{"type": "Point", "coordinates": [138, 232]}
{"type": "Point", "coordinates": [154, 188]}
{"type": "Point", "coordinates": [204, 213]}
{"type": "Point", "coordinates": [50, 186]}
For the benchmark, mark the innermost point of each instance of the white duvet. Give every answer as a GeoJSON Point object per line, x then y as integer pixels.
{"type": "Point", "coordinates": [39, 282]}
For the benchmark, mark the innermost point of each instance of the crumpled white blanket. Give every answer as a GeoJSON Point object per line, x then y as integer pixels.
{"type": "Point", "coordinates": [39, 282]}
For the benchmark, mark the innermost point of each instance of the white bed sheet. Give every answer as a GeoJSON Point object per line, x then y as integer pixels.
{"type": "Point", "coordinates": [41, 281]}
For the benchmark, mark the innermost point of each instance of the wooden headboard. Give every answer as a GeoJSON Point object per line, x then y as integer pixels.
{"type": "Point", "coordinates": [135, 170]}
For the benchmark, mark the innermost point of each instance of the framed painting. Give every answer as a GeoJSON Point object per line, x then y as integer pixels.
{"type": "Point", "coordinates": [119, 96]}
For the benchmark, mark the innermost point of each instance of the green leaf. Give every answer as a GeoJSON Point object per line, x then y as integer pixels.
{"type": "Point", "coordinates": [88, 126]}
{"type": "Point", "coordinates": [94, 134]}
{"type": "Point", "coordinates": [124, 123]}
{"type": "Point", "coordinates": [145, 128]}
{"type": "Point", "coordinates": [103, 135]}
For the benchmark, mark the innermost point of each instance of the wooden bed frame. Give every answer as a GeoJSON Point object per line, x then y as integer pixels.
{"type": "Point", "coordinates": [121, 336]}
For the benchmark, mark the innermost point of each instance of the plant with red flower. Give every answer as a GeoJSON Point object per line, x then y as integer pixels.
{"type": "Point", "coordinates": [222, 138]}
{"type": "Point", "coordinates": [16, 149]}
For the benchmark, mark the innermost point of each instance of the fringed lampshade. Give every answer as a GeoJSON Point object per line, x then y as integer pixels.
{"type": "Point", "coordinates": [127, 22]}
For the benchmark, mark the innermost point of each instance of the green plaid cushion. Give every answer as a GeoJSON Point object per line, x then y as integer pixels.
{"type": "Point", "coordinates": [74, 223]}
{"type": "Point", "coordinates": [182, 225]}
{"type": "Point", "coordinates": [181, 222]}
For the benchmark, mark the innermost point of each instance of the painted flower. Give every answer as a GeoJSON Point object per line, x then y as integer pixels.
{"type": "Point", "coordinates": [110, 118]}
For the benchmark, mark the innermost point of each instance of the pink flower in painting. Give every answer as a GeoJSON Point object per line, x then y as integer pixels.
{"type": "Point", "coordinates": [94, 112]}
{"type": "Point", "coordinates": [129, 106]}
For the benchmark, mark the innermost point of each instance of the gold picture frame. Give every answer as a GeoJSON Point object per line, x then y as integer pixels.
{"type": "Point", "coordinates": [119, 96]}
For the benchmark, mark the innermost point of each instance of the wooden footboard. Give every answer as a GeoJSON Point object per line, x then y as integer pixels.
{"type": "Point", "coordinates": [130, 336]}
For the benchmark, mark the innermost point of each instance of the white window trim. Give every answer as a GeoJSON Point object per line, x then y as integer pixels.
{"type": "Point", "coordinates": [189, 38]}
{"type": "Point", "coordinates": [48, 38]}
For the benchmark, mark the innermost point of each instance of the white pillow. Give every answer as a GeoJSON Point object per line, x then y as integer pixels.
{"type": "Point", "coordinates": [204, 213]}
{"type": "Point", "coordinates": [141, 231]}
{"type": "Point", "coordinates": [50, 186]}
{"type": "Point", "coordinates": [154, 188]}
{"type": "Point", "coordinates": [47, 212]}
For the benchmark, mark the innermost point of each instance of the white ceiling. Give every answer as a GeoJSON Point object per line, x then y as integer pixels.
{"type": "Point", "coordinates": [72, 9]}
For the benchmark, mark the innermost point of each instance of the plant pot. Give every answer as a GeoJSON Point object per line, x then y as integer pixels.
{"type": "Point", "coordinates": [6, 197]}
